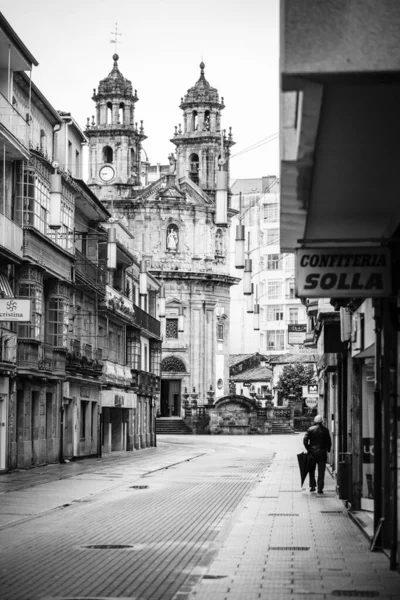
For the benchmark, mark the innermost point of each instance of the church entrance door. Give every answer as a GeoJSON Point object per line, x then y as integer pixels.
{"type": "Point", "coordinates": [170, 398]}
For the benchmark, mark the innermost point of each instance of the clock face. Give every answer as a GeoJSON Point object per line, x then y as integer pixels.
{"type": "Point", "coordinates": [107, 173]}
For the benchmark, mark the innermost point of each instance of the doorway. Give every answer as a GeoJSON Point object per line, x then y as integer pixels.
{"type": "Point", "coordinates": [3, 430]}
{"type": "Point", "coordinates": [170, 398]}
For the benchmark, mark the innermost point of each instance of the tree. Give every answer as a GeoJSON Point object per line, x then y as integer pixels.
{"type": "Point", "coordinates": [293, 377]}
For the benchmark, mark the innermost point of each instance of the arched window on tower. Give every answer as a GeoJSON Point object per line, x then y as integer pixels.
{"type": "Point", "coordinates": [206, 126]}
{"type": "Point", "coordinates": [218, 122]}
{"type": "Point", "coordinates": [194, 167]}
{"type": "Point", "coordinates": [109, 113]}
{"type": "Point", "coordinates": [194, 120]}
{"type": "Point", "coordinates": [121, 113]}
{"type": "Point", "coordinates": [107, 154]}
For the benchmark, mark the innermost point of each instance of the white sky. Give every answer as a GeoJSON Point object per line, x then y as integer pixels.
{"type": "Point", "coordinates": [162, 45]}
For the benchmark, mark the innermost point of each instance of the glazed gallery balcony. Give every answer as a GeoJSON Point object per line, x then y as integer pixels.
{"type": "Point", "coordinates": [14, 130]}
{"type": "Point", "coordinates": [11, 235]}
{"type": "Point", "coordinates": [118, 303]}
{"type": "Point", "coordinates": [88, 273]}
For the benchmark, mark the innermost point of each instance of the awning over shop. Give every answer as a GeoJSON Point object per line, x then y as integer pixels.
{"type": "Point", "coordinates": [366, 353]}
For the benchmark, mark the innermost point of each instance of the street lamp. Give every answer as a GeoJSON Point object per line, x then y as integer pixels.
{"type": "Point", "coordinates": [161, 302]}
{"type": "Point", "coordinates": [55, 198]}
{"type": "Point", "coordinates": [143, 278]}
{"type": "Point", "coordinates": [112, 248]}
{"type": "Point", "coordinates": [250, 300]}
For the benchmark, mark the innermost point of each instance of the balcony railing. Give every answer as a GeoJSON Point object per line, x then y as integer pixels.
{"type": "Point", "coordinates": [88, 270]}
{"type": "Point", "coordinates": [146, 321]}
{"type": "Point", "coordinates": [13, 121]}
{"type": "Point", "coordinates": [121, 304]}
{"type": "Point", "coordinates": [11, 236]}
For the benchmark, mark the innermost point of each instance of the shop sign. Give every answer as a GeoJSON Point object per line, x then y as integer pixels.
{"type": "Point", "coordinates": [246, 383]}
{"type": "Point", "coordinates": [312, 401]}
{"type": "Point", "coordinates": [310, 390]}
{"type": "Point", "coordinates": [343, 272]}
{"type": "Point", "coordinates": [118, 400]}
{"type": "Point", "coordinates": [368, 450]}
{"type": "Point", "coordinates": [14, 309]}
{"type": "Point", "coordinates": [296, 334]}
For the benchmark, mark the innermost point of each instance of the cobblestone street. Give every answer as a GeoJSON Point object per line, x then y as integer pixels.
{"type": "Point", "coordinates": [194, 518]}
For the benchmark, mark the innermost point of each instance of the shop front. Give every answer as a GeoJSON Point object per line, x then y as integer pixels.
{"type": "Point", "coordinates": [80, 418]}
{"type": "Point", "coordinates": [118, 410]}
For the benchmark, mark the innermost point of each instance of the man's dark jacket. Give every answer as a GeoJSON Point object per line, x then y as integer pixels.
{"type": "Point", "coordinates": [317, 441]}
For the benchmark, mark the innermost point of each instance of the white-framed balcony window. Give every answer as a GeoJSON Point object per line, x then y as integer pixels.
{"type": "Point", "coordinates": [272, 236]}
{"type": "Point", "coordinates": [271, 212]}
{"type": "Point", "coordinates": [293, 316]}
{"type": "Point", "coordinates": [276, 340]}
{"type": "Point", "coordinates": [274, 290]}
{"type": "Point", "coordinates": [273, 262]}
{"type": "Point", "coordinates": [290, 289]}
{"type": "Point", "coordinates": [275, 312]}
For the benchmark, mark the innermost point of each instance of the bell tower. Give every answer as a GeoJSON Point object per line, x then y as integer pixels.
{"type": "Point", "coordinates": [198, 146]}
{"type": "Point", "coordinates": [114, 137]}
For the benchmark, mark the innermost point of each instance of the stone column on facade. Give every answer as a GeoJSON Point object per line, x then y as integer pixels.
{"type": "Point", "coordinates": [213, 121]}
{"type": "Point", "coordinates": [115, 112]}
{"type": "Point", "coordinates": [93, 161]}
{"type": "Point", "coordinates": [200, 120]}
{"type": "Point", "coordinates": [209, 350]}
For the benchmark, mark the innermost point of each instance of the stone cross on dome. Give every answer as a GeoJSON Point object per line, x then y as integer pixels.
{"type": "Point", "coordinates": [115, 41]}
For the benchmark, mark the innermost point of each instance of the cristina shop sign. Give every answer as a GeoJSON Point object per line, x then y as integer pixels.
{"type": "Point", "coordinates": [343, 272]}
{"type": "Point", "coordinates": [13, 309]}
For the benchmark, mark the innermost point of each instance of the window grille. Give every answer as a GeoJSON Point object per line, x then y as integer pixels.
{"type": "Point", "coordinates": [171, 328]}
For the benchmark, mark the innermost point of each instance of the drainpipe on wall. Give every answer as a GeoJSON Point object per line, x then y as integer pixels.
{"type": "Point", "coordinates": [56, 129]}
{"type": "Point", "coordinates": [378, 414]}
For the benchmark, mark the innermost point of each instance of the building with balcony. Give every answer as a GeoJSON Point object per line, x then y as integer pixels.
{"type": "Point", "coordinates": [257, 202]}
{"type": "Point", "coordinates": [14, 141]}
{"type": "Point", "coordinates": [340, 67]}
{"type": "Point", "coordinates": [69, 293]}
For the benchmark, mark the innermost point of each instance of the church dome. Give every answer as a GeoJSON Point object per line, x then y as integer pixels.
{"type": "Point", "coordinates": [201, 92]}
{"type": "Point", "coordinates": [115, 84]}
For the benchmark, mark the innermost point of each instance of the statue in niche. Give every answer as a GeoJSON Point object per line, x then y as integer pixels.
{"type": "Point", "coordinates": [218, 242]}
{"type": "Point", "coordinates": [172, 164]}
{"type": "Point", "coordinates": [172, 238]}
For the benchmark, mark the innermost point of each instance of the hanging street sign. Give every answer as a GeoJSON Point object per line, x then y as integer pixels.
{"type": "Point", "coordinates": [14, 309]}
{"type": "Point", "coordinates": [343, 272]}
{"type": "Point", "coordinates": [312, 401]}
{"type": "Point", "coordinates": [296, 334]}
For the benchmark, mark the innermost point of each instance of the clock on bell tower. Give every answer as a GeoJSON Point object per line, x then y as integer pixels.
{"type": "Point", "coordinates": [114, 137]}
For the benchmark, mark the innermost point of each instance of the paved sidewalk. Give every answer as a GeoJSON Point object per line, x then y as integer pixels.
{"type": "Point", "coordinates": [26, 494]}
{"type": "Point", "coordinates": [289, 543]}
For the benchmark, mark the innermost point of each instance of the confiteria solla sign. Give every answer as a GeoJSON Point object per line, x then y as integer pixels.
{"type": "Point", "coordinates": [342, 272]}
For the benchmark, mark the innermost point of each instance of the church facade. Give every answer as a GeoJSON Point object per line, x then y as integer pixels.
{"type": "Point", "coordinates": [174, 230]}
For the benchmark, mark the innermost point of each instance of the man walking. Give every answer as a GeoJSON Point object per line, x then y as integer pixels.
{"type": "Point", "coordinates": [317, 442]}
